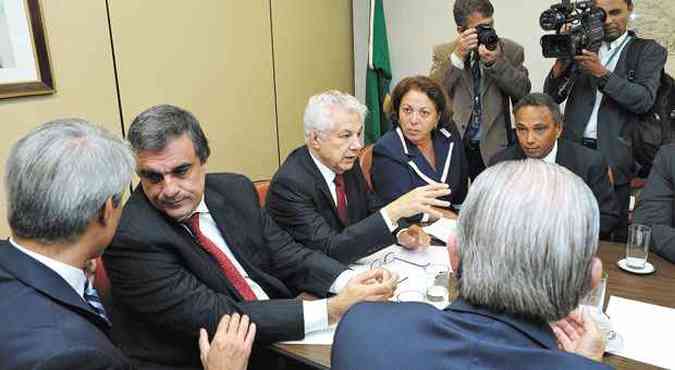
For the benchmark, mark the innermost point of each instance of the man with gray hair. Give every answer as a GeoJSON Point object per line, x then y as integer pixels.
{"type": "Point", "coordinates": [517, 272]}
{"type": "Point", "coordinates": [539, 125]}
{"type": "Point", "coordinates": [193, 247]}
{"type": "Point", "coordinates": [320, 196]}
{"type": "Point", "coordinates": [62, 213]}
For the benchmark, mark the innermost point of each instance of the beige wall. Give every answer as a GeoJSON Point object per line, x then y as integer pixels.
{"type": "Point", "coordinates": [313, 46]}
{"type": "Point", "coordinates": [213, 57]}
{"type": "Point", "coordinates": [77, 33]}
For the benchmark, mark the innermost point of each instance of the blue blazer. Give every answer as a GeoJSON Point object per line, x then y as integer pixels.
{"type": "Point", "coordinates": [45, 323]}
{"type": "Point", "coordinates": [399, 166]}
{"type": "Point", "coordinates": [406, 336]}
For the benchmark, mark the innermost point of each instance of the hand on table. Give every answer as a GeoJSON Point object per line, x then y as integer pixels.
{"type": "Point", "coordinates": [374, 285]}
{"type": "Point", "coordinates": [578, 333]}
{"type": "Point", "coordinates": [414, 237]}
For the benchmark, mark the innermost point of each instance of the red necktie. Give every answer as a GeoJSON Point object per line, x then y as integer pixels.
{"type": "Point", "coordinates": [341, 199]}
{"type": "Point", "coordinates": [230, 271]}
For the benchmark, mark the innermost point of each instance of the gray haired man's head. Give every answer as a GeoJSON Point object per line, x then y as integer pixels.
{"type": "Point", "coordinates": [60, 176]}
{"type": "Point", "coordinates": [155, 127]}
{"type": "Point", "coordinates": [527, 235]}
{"type": "Point", "coordinates": [320, 109]}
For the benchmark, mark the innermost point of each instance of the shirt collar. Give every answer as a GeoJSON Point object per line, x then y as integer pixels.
{"type": "Point", "coordinates": [326, 172]}
{"type": "Point", "coordinates": [551, 156]}
{"type": "Point", "coordinates": [201, 207]}
{"type": "Point", "coordinates": [616, 42]}
{"type": "Point", "coordinates": [74, 276]}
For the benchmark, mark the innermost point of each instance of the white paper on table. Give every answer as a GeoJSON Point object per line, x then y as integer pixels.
{"type": "Point", "coordinates": [442, 229]}
{"type": "Point", "coordinates": [321, 337]}
{"type": "Point", "coordinates": [646, 330]}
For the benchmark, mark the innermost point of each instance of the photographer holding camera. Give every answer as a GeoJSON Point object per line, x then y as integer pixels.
{"type": "Point", "coordinates": [482, 74]}
{"type": "Point", "coordinates": [605, 95]}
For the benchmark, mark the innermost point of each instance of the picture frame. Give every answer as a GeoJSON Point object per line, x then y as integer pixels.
{"type": "Point", "coordinates": [25, 68]}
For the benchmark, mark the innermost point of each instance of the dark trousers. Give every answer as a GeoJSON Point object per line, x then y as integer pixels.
{"type": "Point", "coordinates": [622, 193]}
{"type": "Point", "coordinates": [474, 158]}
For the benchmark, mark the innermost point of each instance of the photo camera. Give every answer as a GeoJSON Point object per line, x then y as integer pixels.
{"type": "Point", "coordinates": [578, 25]}
{"type": "Point", "coordinates": [487, 36]}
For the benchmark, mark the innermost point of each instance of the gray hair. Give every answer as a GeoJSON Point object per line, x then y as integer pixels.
{"type": "Point", "coordinates": [527, 234]}
{"type": "Point", "coordinates": [319, 111]}
{"type": "Point", "coordinates": [540, 100]}
{"type": "Point", "coordinates": [60, 175]}
{"type": "Point", "coordinates": [464, 8]}
{"type": "Point", "coordinates": [152, 129]}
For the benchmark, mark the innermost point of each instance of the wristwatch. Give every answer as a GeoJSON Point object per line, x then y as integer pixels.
{"type": "Point", "coordinates": [602, 80]}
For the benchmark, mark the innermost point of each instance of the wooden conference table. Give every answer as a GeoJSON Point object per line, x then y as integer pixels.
{"type": "Point", "coordinates": [657, 288]}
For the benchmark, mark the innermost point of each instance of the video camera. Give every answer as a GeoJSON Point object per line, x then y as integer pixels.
{"type": "Point", "coordinates": [584, 28]}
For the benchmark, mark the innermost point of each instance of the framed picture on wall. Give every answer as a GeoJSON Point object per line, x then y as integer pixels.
{"type": "Point", "coordinates": [24, 58]}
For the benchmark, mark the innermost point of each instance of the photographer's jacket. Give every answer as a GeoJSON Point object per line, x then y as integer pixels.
{"type": "Point", "coordinates": [622, 102]}
{"type": "Point", "coordinates": [506, 78]}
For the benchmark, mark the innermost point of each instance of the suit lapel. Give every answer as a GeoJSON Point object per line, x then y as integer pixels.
{"type": "Point", "coordinates": [46, 281]}
{"type": "Point", "coordinates": [320, 182]}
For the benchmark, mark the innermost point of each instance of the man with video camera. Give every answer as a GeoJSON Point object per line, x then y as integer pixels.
{"type": "Point", "coordinates": [482, 74]}
{"type": "Point", "coordinates": [605, 94]}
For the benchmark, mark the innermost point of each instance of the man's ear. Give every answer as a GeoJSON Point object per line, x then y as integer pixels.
{"type": "Point", "coordinates": [453, 252]}
{"type": "Point", "coordinates": [313, 141]}
{"type": "Point", "coordinates": [596, 272]}
{"type": "Point", "coordinates": [106, 212]}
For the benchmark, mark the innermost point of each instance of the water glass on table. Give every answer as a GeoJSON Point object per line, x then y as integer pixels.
{"type": "Point", "coordinates": [637, 245]}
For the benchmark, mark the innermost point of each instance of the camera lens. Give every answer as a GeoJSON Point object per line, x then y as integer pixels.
{"type": "Point", "coordinates": [551, 20]}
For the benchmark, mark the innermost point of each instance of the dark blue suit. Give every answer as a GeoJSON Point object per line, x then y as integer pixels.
{"type": "Point", "coordinates": [45, 323]}
{"type": "Point", "coordinates": [395, 165]}
{"type": "Point", "coordinates": [409, 336]}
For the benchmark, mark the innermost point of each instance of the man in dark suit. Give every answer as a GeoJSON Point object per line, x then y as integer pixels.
{"type": "Point", "coordinates": [656, 204]}
{"type": "Point", "coordinates": [319, 194]}
{"type": "Point", "coordinates": [62, 214]}
{"type": "Point", "coordinates": [538, 128]}
{"type": "Point", "coordinates": [501, 318]}
{"type": "Point", "coordinates": [192, 247]}
{"type": "Point", "coordinates": [480, 82]}
{"type": "Point", "coordinates": [605, 96]}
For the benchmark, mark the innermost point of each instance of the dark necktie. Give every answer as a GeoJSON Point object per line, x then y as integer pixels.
{"type": "Point", "coordinates": [341, 199]}
{"type": "Point", "coordinates": [476, 110]}
{"type": "Point", "coordinates": [230, 271]}
{"type": "Point", "coordinates": [92, 298]}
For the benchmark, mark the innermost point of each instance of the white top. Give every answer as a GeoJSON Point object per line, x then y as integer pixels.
{"type": "Point", "coordinates": [550, 157]}
{"type": "Point", "coordinates": [74, 276]}
{"type": "Point", "coordinates": [315, 313]}
{"type": "Point", "coordinates": [609, 54]}
{"type": "Point", "coordinates": [329, 177]}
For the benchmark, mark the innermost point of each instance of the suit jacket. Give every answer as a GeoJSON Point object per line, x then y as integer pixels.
{"type": "Point", "coordinates": [585, 163]}
{"type": "Point", "coordinates": [45, 323]}
{"type": "Point", "coordinates": [393, 173]}
{"type": "Point", "coordinates": [402, 336]}
{"type": "Point", "coordinates": [656, 203]}
{"type": "Point", "coordinates": [506, 79]}
{"type": "Point", "coordinates": [622, 102]}
{"type": "Point", "coordinates": [300, 201]}
{"type": "Point", "coordinates": [165, 286]}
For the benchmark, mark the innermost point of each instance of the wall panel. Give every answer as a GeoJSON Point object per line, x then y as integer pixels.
{"type": "Point", "coordinates": [211, 57]}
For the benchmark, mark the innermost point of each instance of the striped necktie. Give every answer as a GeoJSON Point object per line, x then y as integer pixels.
{"type": "Point", "coordinates": [92, 298]}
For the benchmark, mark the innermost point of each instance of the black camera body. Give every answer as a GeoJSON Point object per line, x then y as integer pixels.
{"type": "Point", "coordinates": [585, 28]}
{"type": "Point", "coordinates": [487, 36]}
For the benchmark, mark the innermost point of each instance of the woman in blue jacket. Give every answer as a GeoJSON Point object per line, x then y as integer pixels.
{"type": "Point", "coordinates": [423, 147]}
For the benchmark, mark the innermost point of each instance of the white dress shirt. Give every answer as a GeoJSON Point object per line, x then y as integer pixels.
{"type": "Point", "coordinates": [74, 276]}
{"type": "Point", "coordinates": [551, 156]}
{"type": "Point", "coordinates": [315, 313]}
{"type": "Point", "coordinates": [329, 177]}
{"type": "Point", "coordinates": [609, 54]}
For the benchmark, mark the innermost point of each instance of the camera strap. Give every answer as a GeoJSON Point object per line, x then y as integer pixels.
{"type": "Point", "coordinates": [616, 51]}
